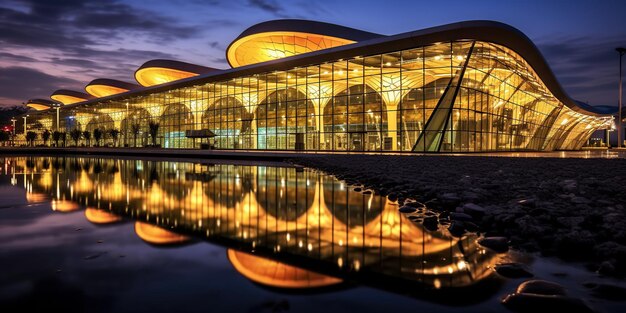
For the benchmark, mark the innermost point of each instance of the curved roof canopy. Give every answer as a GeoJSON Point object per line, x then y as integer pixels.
{"type": "Point", "coordinates": [156, 72]}
{"type": "Point", "coordinates": [275, 274]}
{"type": "Point", "coordinates": [69, 96]}
{"type": "Point", "coordinates": [283, 38]}
{"type": "Point", "coordinates": [41, 104]}
{"type": "Point", "coordinates": [104, 87]}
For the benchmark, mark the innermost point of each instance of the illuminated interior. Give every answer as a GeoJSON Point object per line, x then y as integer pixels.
{"type": "Point", "coordinates": [269, 46]}
{"type": "Point", "coordinates": [276, 274]}
{"type": "Point", "coordinates": [462, 95]}
{"type": "Point", "coordinates": [69, 96]}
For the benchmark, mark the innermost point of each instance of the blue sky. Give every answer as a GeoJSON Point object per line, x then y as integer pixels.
{"type": "Point", "coordinates": [46, 45]}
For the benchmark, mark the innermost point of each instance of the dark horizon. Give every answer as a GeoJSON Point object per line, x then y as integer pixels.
{"type": "Point", "coordinates": [39, 54]}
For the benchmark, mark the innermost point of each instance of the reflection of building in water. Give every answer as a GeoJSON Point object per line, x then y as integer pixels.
{"type": "Point", "coordinates": [276, 274]}
{"type": "Point", "coordinates": [97, 216]}
{"type": "Point", "coordinates": [157, 235]}
{"type": "Point", "coordinates": [275, 211]}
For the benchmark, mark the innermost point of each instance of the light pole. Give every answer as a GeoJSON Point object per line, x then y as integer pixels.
{"type": "Point", "coordinates": [621, 52]}
{"type": "Point", "coordinates": [24, 117]}
{"type": "Point", "coordinates": [13, 137]}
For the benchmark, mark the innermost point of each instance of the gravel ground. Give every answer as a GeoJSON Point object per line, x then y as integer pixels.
{"type": "Point", "coordinates": [571, 208]}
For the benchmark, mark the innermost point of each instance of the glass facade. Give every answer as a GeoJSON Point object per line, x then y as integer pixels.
{"type": "Point", "coordinates": [461, 96]}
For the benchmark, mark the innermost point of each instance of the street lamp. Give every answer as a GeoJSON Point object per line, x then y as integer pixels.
{"type": "Point", "coordinates": [24, 117]}
{"type": "Point", "coordinates": [621, 52]}
{"type": "Point", "coordinates": [13, 137]}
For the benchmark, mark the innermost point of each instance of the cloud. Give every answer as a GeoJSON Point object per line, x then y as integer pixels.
{"type": "Point", "coordinates": [587, 67]}
{"type": "Point", "coordinates": [31, 82]}
{"type": "Point", "coordinates": [266, 5]}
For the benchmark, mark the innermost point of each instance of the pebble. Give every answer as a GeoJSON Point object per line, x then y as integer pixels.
{"type": "Point", "coordinates": [606, 291]}
{"type": "Point", "coordinates": [497, 244]}
{"type": "Point", "coordinates": [407, 209]}
{"type": "Point", "coordinates": [457, 229]}
{"type": "Point", "coordinates": [541, 287]}
{"type": "Point", "coordinates": [473, 210]}
{"type": "Point", "coordinates": [526, 302]}
{"type": "Point", "coordinates": [456, 216]}
{"type": "Point", "coordinates": [513, 270]}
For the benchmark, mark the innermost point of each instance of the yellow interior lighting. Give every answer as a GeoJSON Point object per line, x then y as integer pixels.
{"type": "Point", "coordinates": [269, 46]}
{"type": "Point", "coordinates": [276, 274]}
{"type": "Point", "coordinates": [103, 90]}
{"type": "Point", "coordinates": [65, 99]}
{"type": "Point", "coordinates": [151, 76]}
{"type": "Point", "coordinates": [38, 107]}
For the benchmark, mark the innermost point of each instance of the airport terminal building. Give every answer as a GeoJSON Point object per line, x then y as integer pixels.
{"type": "Point", "coordinates": [302, 85]}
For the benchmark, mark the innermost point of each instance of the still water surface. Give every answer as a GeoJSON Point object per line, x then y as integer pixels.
{"type": "Point", "coordinates": [125, 235]}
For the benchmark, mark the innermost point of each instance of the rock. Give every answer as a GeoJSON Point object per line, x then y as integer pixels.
{"type": "Point", "coordinates": [497, 244]}
{"type": "Point", "coordinates": [513, 270]}
{"type": "Point", "coordinates": [407, 209]}
{"type": "Point", "coordinates": [456, 228]}
{"type": "Point", "coordinates": [449, 199]}
{"type": "Point", "coordinates": [580, 200]}
{"type": "Point", "coordinates": [527, 202]}
{"type": "Point", "coordinates": [431, 223]}
{"type": "Point", "coordinates": [471, 227]}
{"type": "Point", "coordinates": [541, 287]}
{"type": "Point", "coordinates": [606, 291]}
{"type": "Point", "coordinates": [392, 197]}
{"type": "Point", "coordinates": [527, 302]}
{"type": "Point", "coordinates": [456, 216]}
{"type": "Point", "coordinates": [473, 210]}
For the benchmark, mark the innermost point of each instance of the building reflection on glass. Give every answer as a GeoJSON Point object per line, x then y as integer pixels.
{"type": "Point", "coordinates": [283, 228]}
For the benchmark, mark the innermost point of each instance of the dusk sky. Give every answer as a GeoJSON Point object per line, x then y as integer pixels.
{"type": "Point", "coordinates": [47, 45]}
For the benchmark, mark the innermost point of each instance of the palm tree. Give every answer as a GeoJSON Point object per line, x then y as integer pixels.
{"type": "Point", "coordinates": [45, 136]}
{"type": "Point", "coordinates": [31, 136]}
{"type": "Point", "coordinates": [87, 136]}
{"type": "Point", "coordinates": [154, 131]}
{"type": "Point", "coordinates": [97, 135]}
{"type": "Point", "coordinates": [135, 129]}
{"type": "Point", "coordinates": [64, 138]}
{"type": "Point", "coordinates": [76, 134]}
{"type": "Point", "coordinates": [114, 133]}
{"type": "Point", "coordinates": [4, 136]}
{"type": "Point", "coordinates": [56, 136]}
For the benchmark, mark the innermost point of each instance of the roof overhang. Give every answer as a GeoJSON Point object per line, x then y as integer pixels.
{"type": "Point", "coordinates": [69, 96]}
{"type": "Point", "coordinates": [41, 104]}
{"type": "Point", "coordinates": [104, 87]}
{"type": "Point", "coordinates": [157, 72]}
{"type": "Point", "coordinates": [278, 39]}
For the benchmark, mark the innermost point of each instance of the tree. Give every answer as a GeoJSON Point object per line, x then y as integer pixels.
{"type": "Point", "coordinates": [64, 137]}
{"type": "Point", "coordinates": [45, 136]}
{"type": "Point", "coordinates": [31, 136]}
{"type": "Point", "coordinates": [76, 134]}
{"type": "Point", "coordinates": [56, 136]}
{"type": "Point", "coordinates": [135, 129]}
{"type": "Point", "coordinates": [97, 135]}
{"type": "Point", "coordinates": [87, 136]}
{"type": "Point", "coordinates": [114, 133]}
{"type": "Point", "coordinates": [4, 136]}
{"type": "Point", "coordinates": [154, 131]}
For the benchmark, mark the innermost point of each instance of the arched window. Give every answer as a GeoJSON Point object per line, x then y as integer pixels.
{"type": "Point", "coordinates": [285, 120]}
{"type": "Point", "coordinates": [355, 120]}
{"type": "Point", "coordinates": [228, 119]}
{"type": "Point", "coordinates": [175, 120]}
